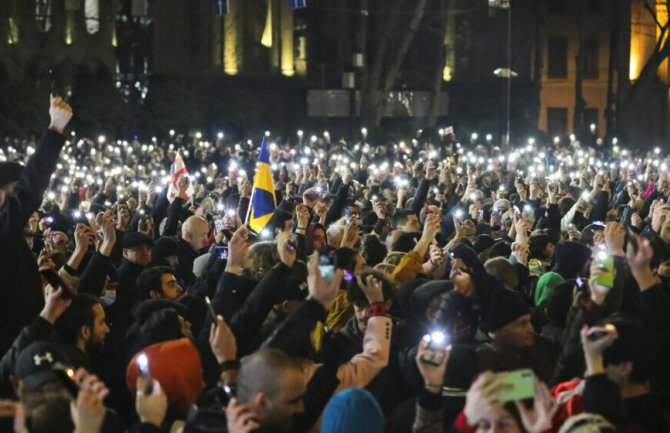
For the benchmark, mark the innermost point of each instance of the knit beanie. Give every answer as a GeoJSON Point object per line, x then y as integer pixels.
{"type": "Point", "coordinates": [9, 172]}
{"type": "Point", "coordinates": [546, 285]}
{"type": "Point", "coordinates": [353, 411]}
{"type": "Point", "coordinates": [506, 306]}
{"type": "Point", "coordinates": [176, 365]}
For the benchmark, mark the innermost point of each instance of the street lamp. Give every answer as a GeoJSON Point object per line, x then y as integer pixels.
{"type": "Point", "coordinates": [507, 71]}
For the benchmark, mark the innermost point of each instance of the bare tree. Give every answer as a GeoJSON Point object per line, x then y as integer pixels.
{"type": "Point", "coordinates": [660, 53]}
{"type": "Point", "coordinates": [380, 81]}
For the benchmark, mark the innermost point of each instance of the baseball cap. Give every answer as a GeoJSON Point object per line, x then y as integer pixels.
{"type": "Point", "coordinates": [42, 362]}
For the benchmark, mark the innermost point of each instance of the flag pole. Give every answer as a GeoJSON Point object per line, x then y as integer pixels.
{"type": "Point", "coordinates": [251, 200]}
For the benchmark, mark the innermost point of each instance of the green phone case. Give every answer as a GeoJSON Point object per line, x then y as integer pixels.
{"type": "Point", "coordinates": [606, 279]}
{"type": "Point", "coordinates": [522, 385]}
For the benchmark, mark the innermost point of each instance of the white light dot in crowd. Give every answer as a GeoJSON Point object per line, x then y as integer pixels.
{"type": "Point", "coordinates": [615, 140]}
{"type": "Point", "coordinates": [154, 139]}
{"type": "Point", "coordinates": [657, 150]}
{"type": "Point", "coordinates": [572, 137]}
{"type": "Point", "coordinates": [198, 135]}
{"type": "Point", "coordinates": [219, 135]}
{"type": "Point", "coordinates": [300, 133]}
{"type": "Point", "coordinates": [63, 188]}
{"type": "Point", "coordinates": [664, 166]}
{"type": "Point", "coordinates": [171, 132]}
{"type": "Point", "coordinates": [557, 139]}
{"type": "Point", "coordinates": [77, 214]}
{"type": "Point", "coordinates": [158, 189]}
{"type": "Point", "coordinates": [489, 137]}
{"type": "Point", "coordinates": [615, 149]}
{"type": "Point", "coordinates": [265, 234]}
{"type": "Point", "coordinates": [474, 136]}
{"type": "Point", "coordinates": [267, 133]}
{"type": "Point", "coordinates": [250, 143]}
{"type": "Point", "coordinates": [592, 127]}
{"type": "Point", "coordinates": [90, 215]}
{"type": "Point", "coordinates": [440, 131]}
{"type": "Point", "coordinates": [101, 139]}
{"type": "Point", "coordinates": [51, 195]}
{"type": "Point", "coordinates": [364, 131]}
{"type": "Point", "coordinates": [326, 134]}
{"type": "Point", "coordinates": [313, 138]}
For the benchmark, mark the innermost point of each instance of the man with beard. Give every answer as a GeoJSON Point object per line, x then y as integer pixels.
{"type": "Point", "coordinates": [82, 328]}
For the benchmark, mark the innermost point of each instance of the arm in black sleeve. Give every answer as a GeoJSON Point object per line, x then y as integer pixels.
{"type": "Point", "coordinates": [159, 211]}
{"type": "Point", "coordinates": [174, 210]}
{"type": "Point", "coordinates": [93, 278]}
{"type": "Point", "coordinates": [247, 322]}
{"type": "Point", "coordinates": [293, 335]}
{"type": "Point", "coordinates": [117, 250]}
{"type": "Point", "coordinates": [224, 302]}
{"type": "Point", "coordinates": [335, 210]}
{"type": "Point", "coordinates": [420, 196]}
{"type": "Point", "coordinates": [599, 212]}
{"type": "Point", "coordinates": [570, 363]}
{"type": "Point", "coordinates": [644, 212]}
{"type": "Point", "coordinates": [553, 216]}
{"type": "Point", "coordinates": [336, 185]}
{"type": "Point", "coordinates": [657, 304]}
{"type": "Point", "coordinates": [30, 188]}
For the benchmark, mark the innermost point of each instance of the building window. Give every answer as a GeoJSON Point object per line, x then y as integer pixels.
{"type": "Point", "coordinates": [591, 119]}
{"type": "Point", "coordinates": [558, 6]}
{"type": "Point", "coordinates": [557, 121]}
{"type": "Point", "coordinates": [557, 54]}
{"type": "Point", "coordinates": [591, 57]}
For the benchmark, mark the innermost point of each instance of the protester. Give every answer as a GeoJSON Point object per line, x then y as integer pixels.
{"type": "Point", "coordinates": [428, 285]}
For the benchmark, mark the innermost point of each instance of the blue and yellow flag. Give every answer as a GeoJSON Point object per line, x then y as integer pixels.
{"type": "Point", "coordinates": [263, 200]}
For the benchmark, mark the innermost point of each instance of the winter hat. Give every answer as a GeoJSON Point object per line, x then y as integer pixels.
{"type": "Point", "coordinates": [353, 411]}
{"type": "Point", "coordinates": [506, 306]}
{"type": "Point", "coordinates": [9, 172]}
{"type": "Point", "coordinates": [503, 271]}
{"type": "Point", "coordinates": [570, 258]}
{"type": "Point", "coordinates": [482, 243]}
{"type": "Point", "coordinates": [546, 285]}
{"type": "Point", "coordinates": [423, 295]}
{"type": "Point", "coordinates": [165, 247]}
{"type": "Point", "coordinates": [176, 365]}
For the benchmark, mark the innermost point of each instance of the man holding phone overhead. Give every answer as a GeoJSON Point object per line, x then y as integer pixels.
{"type": "Point", "coordinates": [21, 191]}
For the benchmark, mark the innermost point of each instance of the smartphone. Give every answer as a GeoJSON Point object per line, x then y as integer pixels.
{"type": "Point", "coordinates": [521, 385]}
{"type": "Point", "coordinates": [210, 307]}
{"type": "Point", "coordinates": [434, 354]}
{"type": "Point", "coordinates": [327, 268]}
{"type": "Point", "coordinates": [606, 263]}
{"type": "Point", "coordinates": [226, 393]}
{"type": "Point", "coordinates": [347, 215]}
{"type": "Point", "coordinates": [143, 366]}
{"type": "Point", "coordinates": [222, 252]}
{"type": "Point", "coordinates": [56, 281]}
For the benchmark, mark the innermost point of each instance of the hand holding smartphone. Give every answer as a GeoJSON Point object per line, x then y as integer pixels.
{"type": "Point", "coordinates": [52, 277]}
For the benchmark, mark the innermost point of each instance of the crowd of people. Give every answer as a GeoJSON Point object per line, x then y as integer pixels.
{"type": "Point", "coordinates": [423, 286]}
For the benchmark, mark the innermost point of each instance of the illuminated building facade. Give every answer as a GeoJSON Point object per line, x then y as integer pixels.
{"type": "Point", "coordinates": [616, 39]}
{"type": "Point", "coordinates": [74, 37]}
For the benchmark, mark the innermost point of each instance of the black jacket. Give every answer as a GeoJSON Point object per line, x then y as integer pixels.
{"type": "Point", "coordinates": [21, 284]}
